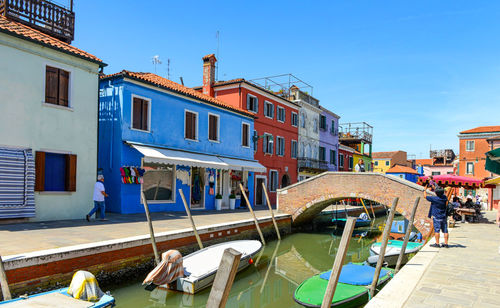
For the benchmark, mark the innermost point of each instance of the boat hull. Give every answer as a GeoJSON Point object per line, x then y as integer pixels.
{"type": "Point", "coordinates": [392, 252]}
{"type": "Point", "coordinates": [106, 301]}
{"type": "Point", "coordinates": [340, 222]}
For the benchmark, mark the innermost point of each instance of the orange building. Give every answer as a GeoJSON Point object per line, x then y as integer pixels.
{"type": "Point", "coordinates": [473, 146]}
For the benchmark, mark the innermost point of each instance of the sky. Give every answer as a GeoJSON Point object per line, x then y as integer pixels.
{"type": "Point", "coordinates": [419, 72]}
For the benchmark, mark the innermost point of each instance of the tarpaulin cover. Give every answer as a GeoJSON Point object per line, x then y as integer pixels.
{"type": "Point", "coordinates": [84, 286]}
{"type": "Point", "coordinates": [450, 180]}
{"type": "Point", "coordinates": [493, 161]}
{"type": "Point", "coordinates": [356, 274]}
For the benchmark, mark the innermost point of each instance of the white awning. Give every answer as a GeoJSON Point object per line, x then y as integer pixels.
{"type": "Point", "coordinates": [164, 156]}
{"type": "Point", "coordinates": [243, 165]}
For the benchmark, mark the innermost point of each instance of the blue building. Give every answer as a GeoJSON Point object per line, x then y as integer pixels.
{"type": "Point", "coordinates": [404, 172]}
{"type": "Point", "coordinates": [159, 136]}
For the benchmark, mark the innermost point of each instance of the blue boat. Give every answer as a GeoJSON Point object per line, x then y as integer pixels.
{"type": "Point", "coordinates": [57, 298]}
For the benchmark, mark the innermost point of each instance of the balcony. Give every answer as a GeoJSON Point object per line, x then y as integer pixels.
{"type": "Point", "coordinates": [310, 164]}
{"type": "Point", "coordinates": [353, 133]}
{"type": "Point", "coordinates": [45, 16]}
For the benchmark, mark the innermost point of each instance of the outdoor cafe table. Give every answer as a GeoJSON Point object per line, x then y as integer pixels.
{"type": "Point", "coordinates": [465, 212]}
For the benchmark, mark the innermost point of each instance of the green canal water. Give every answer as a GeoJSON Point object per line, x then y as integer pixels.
{"type": "Point", "coordinates": [272, 279]}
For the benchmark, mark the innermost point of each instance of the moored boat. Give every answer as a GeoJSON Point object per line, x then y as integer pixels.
{"type": "Point", "coordinates": [352, 287]}
{"type": "Point", "coordinates": [340, 222]}
{"type": "Point", "coordinates": [392, 252]}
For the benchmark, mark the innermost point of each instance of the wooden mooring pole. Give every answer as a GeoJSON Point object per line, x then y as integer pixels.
{"type": "Point", "coordinates": [339, 261]}
{"type": "Point", "coordinates": [3, 281]}
{"type": "Point", "coordinates": [151, 232]}
{"type": "Point", "coordinates": [366, 210]}
{"type": "Point", "coordinates": [271, 210]}
{"type": "Point", "coordinates": [198, 239]}
{"type": "Point", "coordinates": [407, 235]}
{"type": "Point", "coordinates": [224, 278]}
{"type": "Point", "coordinates": [253, 214]}
{"type": "Point", "coordinates": [383, 246]}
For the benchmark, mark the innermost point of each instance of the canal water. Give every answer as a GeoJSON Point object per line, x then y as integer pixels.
{"type": "Point", "coordinates": [272, 279]}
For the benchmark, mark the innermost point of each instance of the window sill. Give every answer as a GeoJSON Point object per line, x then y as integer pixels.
{"type": "Point", "coordinates": [281, 121]}
{"type": "Point", "coordinates": [140, 130]}
{"type": "Point", "coordinates": [194, 140]}
{"type": "Point", "coordinates": [246, 147]}
{"type": "Point", "coordinates": [214, 141]}
{"type": "Point", "coordinates": [57, 106]}
{"type": "Point", "coordinates": [272, 118]}
{"type": "Point", "coordinates": [55, 192]}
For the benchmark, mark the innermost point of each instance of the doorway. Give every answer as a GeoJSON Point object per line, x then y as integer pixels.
{"type": "Point", "coordinates": [259, 192]}
{"type": "Point", "coordinates": [285, 181]}
{"type": "Point", "coordinates": [197, 188]}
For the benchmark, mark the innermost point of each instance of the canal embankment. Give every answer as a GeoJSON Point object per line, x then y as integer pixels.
{"type": "Point", "coordinates": [463, 275]}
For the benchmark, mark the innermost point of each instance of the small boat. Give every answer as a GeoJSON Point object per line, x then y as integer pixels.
{"type": "Point", "coordinates": [200, 267]}
{"type": "Point", "coordinates": [83, 286]}
{"type": "Point", "coordinates": [340, 222]}
{"type": "Point", "coordinates": [352, 288]}
{"type": "Point", "coordinates": [392, 252]}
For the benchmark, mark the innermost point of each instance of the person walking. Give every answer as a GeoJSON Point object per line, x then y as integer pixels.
{"type": "Point", "coordinates": [437, 212]}
{"type": "Point", "coordinates": [360, 166]}
{"type": "Point", "coordinates": [99, 195]}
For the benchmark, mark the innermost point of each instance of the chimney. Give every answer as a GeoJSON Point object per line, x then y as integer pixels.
{"type": "Point", "coordinates": [209, 74]}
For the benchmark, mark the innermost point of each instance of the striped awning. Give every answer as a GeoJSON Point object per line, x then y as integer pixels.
{"type": "Point", "coordinates": [17, 183]}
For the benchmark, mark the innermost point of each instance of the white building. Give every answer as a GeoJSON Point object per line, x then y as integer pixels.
{"type": "Point", "coordinates": [48, 118]}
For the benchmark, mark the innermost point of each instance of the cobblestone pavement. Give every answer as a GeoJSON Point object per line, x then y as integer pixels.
{"type": "Point", "coordinates": [465, 275]}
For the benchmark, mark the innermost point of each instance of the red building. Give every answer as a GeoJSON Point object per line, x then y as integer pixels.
{"type": "Point", "coordinates": [346, 158]}
{"type": "Point", "coordinates": [473, 146]}
{"type": "Point", "coordinates": [276, 128]}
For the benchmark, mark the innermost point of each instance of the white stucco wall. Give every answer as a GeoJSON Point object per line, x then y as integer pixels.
{"type": "Point", "coordinates": [308, 135]}
{"type": "Point", "coordinates": [25, 121]}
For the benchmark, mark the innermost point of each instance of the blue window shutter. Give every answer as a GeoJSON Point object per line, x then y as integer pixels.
{"type": "Point", "coordinates": [256, 105]}
{"type": "Point", "coordinates": [248, 102]}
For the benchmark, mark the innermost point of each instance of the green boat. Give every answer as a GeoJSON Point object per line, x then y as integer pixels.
{"type": "Point", "coordinates": [352, 289]}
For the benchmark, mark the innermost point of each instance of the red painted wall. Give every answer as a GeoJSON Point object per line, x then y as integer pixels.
{"type": "Point", "coordinates": [283, 164]}
{"type": "Point", "coordinates": [347, 155]}
{"type": "Point", "coordinates": [477, 156]}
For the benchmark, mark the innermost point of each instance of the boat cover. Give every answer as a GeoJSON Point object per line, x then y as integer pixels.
{"type": "Point", "coordinates": [356, 274]}
{"type": "Point", "coordinates": [84, 286]}
{"type": "Point", "coordinates": [169, 269]}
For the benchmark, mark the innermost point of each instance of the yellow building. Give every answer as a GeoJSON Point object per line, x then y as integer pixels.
{"type": "Point", "coordinates": [366, 160]}
{"type": "Point", "coordinates": [383, 161]}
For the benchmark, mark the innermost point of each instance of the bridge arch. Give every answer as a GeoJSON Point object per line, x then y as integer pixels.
{"type": "Point", "coordinates": [305, 199]}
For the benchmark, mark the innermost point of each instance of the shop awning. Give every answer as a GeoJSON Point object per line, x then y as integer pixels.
{"type": "Point", "coordinates": [493, 181]}
{"type": "Point", "coordinates": [165, 156]}
{"type": "Point", "coordinates": [243, 165]}
{"type": "Point", "coordinates": [493, 161]}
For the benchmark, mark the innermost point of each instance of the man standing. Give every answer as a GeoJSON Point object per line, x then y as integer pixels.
{"type": "Point", "coordinates": [99, 194]}
{"type": "Point", "coordinates": [360, 166]}
{"type": "Point", "coordinates": [438, 213]}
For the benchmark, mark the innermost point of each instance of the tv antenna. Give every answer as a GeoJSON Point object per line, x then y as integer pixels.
{"type": "Point", "coordinates": [156, 60]}
{"type": "Point", "coordinates": [217, 36]}
{"type": "Point", "coordinates": [168, 69]}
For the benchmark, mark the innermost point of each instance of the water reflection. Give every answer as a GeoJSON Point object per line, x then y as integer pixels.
{"type": "Point", "coordinates": [272, 280]}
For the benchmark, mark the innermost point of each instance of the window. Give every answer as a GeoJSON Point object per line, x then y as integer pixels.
{"type": "Point", "coordinates": [268, 145]}
{"type": "Point", "coordinates": [294, 149]}
{"type": "Point", "coordinates": [332, 129]}
{"type": "Point", "coordinates": [273, 180]}
{"type": "Point", "coordinates": [295, 119]}
{"type": "Point", "coordinates": [281, 113]}
{"type": "Point", "coordinates": [341, 160]}
{"type": "Point", "coordinates": [213, 127]}
{"type": "Point", "coordinates": [322, 122]}
{"type": "Point", "coordinates": [56, 86]}
{"type": "Point", "coordinates": [280, 146]}
{"type": "Point", "coordinates": [470, 168]}
{"type": "Point", "coordinates": [322, 153]}
{"type": "Point", "coordinates": [333, 156]}
{"type": "Point", "coordinates": [245, 135]}
{"type": "Point", "coordinates": [252, 103]}
{"type": "Point", "coordinates": [436, 173]}
{"type": "Point", "coordinates": [302, 120]}
{"type": "Point", "coordinates": [191, 125]}
{"type": "Point", "coordinates": [55, 172]}
{"type": "Point", "coordinates": [387, 163]}
{"type": "Point", "coordinates": [268, 110]}
{"type": "Point", "coordinates": [255, 140]}
{"type": "Point", "coordinates": [140, 113]}
{"type": "Point", "coordinates": [469, 146]}
{"type": "Point", "coordinates": [315, 127]}
{"type": "Point", "coordinates": [351, 162]}
{"type": "Point", "coordinates": [159, 182]}
{"type": "Point", "coordinates": [376, 163]}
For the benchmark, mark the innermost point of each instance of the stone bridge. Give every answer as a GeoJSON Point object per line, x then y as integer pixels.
{"type": "Point", "coordinates": [306, 199]}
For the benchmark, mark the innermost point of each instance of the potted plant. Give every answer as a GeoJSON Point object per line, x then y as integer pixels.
{"type": "Point", "coordinates": [232, 201]}
{"type": "Point", "coordinates": [218, 202]}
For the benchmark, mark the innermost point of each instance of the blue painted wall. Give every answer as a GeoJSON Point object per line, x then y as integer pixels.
{"type": "Point", "coordinates": [407, 176]}
{"type": "Point", "coordinates": [166, 130]}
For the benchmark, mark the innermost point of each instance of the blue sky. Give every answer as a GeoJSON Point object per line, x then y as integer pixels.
{"type": "Point", "coordinates": [419, 72]}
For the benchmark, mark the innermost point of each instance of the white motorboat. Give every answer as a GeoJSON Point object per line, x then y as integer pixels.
{"type": "Point", "coordinates": [392, 252]}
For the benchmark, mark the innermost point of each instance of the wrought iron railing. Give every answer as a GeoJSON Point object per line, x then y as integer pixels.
{"type": "Point", "coordinates": [306, 162]}
{"type": "Point", "coordinates": [42, 15]}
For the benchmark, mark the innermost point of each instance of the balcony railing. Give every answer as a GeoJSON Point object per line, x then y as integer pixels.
{"type": "Point", "coordinates": [42, 15]}
{"type": "Point", "coordinates": [310, 163]}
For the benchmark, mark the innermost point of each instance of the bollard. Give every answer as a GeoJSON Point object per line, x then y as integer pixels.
{"type": "Point", "coordinates": [383, 246]}
{"type": "Point", "coordinates": [151, 232]}
{"type": "Point", "coordinates": [253, 214]}
{"type": "Point", "coordinates": [198, 239]}
{"type": "Point", "coordinates": [224, 278]}
{"type": "Point", "coordinates": [4, 282]}
{"type": "Point", "coordinates": [407, 235]}
{"type": "Point", "coordinates": [271, 210]}
{"type": "Point", "coordinates": [339, 261]}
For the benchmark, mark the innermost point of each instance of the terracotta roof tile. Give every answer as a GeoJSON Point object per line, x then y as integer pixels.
{"type": "Point", "coordinates": [174, 86]}
{"type": "Point", "coordinates": [401, 169]}
{"type": "Point", "coordinates": [384, 154]}
{"type": "Point", "coordinates": [18, 29]}
{"type": "Point", "coordinates": [482, 129]}
{"type": "Point", "coordinates": [424, 161]}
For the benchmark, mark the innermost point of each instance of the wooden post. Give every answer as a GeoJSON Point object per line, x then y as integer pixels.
{"type": "Point", "coordinates": [383, 246]}
{"type": "Point", "coordinates": [151, 232]}
{"type": "Point", "coordinates": [371, 207]}
{"type": "Point", "coordinates": [224, 278]}
{"type": "Point", "coordinates": [198, 239]}
{"type": "Point", "coordinates": [271, 210]}
{"type": "Point", "coordinates": [4, 282]}
{"type": "Point", "coordinates": [339, 261]}
{"type": "Point", "coordinates": [253, 214]}
{"type": "Point", "coordinates": [366, 210]}
{"type": "Point", "coordinates": [407, 234]}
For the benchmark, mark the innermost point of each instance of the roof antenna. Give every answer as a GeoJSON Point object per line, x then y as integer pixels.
{"type": "Point", "coordinates": [182, 80]}
{"type": "Point", "coordinates": [156, 60]}
{"type": "Point", "coordinates": [217, 56]}
{"type": "Point", "coordinates": [168, 69]}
